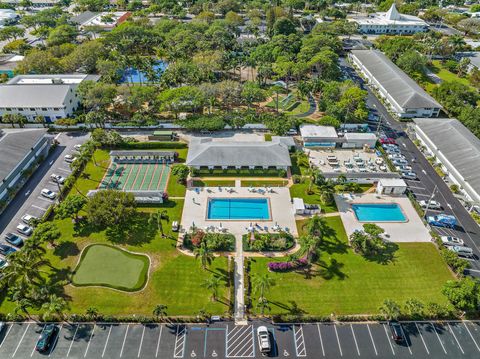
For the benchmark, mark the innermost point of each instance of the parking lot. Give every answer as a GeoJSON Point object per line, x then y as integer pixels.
{"type": "Point", "coordinates": [29, 200]}
{"type": "Point", "coordinates": [225, 340]}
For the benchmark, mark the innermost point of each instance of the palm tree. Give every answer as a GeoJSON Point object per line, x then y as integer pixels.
{"type": "Point", "coordinates": [310, 245]}
{"type": "Point", "coordinates": [390, 309]}
{"type": "Point", "coordinates": [55, 305]}
{"type": "Point", "coordinates": [262, 284]}
{"type": "Point", "coordinates": [92, 313]}
{"type": "Point", "coordinates": [277, 90]}
{"type": "Point", "coordinates": [157, 218]}
{"type": "Point", "coordinates": [160, 311]}
{"type": "Point", "coordinates": [205, 254]}
{"type": "Point", "coordinates": [326, 193]}
{"type": "Point", "coordinates": [41, 119]}
{"type": "Point", "coordinates": [262, 304]}
{"type": "Point", "coordinates": [316, 226]}
{"type": "Point", "coordinates": [23, 305]}
{"type": "Point", "coordinates": [212, 283]}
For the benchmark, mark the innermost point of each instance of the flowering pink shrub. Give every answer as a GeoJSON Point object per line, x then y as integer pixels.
{"type": "Point", "coordinates": [287, 266]}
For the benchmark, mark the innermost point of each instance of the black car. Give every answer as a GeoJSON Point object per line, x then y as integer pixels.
{"type": "Point", "coordinates": [46, 339]}
{"type": "Point", "coordinates": [6, 250]}
{"type": "Point", "coordinates": [396, 331]}
{"type": "Point", "coordinates": [14, 239]}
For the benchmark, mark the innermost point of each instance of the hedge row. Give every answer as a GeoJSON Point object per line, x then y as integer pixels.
{"type": "Point", "coordinates": [152, 145]}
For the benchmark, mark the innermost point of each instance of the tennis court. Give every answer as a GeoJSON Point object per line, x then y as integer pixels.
{"type": "Point", "coordinates": [136, 176]}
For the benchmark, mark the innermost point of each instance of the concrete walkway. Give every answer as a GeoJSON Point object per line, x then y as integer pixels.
{"type": "Point", "coordinates": [239, 276]}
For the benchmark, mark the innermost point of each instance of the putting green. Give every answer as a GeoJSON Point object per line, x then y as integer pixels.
{"type": "Point", "coordinates": [108, 266]}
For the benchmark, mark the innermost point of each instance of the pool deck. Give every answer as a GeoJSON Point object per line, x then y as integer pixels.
{"type": "Point", "coordinates": [195, 210]}
{"type": "Point", "coordinates": [411, 231]}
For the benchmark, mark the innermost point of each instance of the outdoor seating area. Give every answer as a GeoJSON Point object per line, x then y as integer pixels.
{"type": "Point", "coordinates": [347, 161]}
{"type": "Point", "coordinates": [255, 227]}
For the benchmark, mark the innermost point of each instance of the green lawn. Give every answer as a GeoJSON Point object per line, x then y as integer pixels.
{"type": "Point", "coordinates": [175, 279]}
{"type": "Point", "coordinates": [438, 69]}
{"type": "Point", "coordinates": [299, 108]}
{"type": "Point", "coordinates": [214, 183]}
{"type": "Point", "coordinates": [93, 173]}
{"type": "Point", "coordinates": [299, 190]}
{"type": "Point", "coordinates": [109, 266]}
{"type": "Point", "coordinates": [343, 282]}
{"type": "Point", "coordinates": [174, 188]}
{"type": "Point", "coordinates": [264, 183]}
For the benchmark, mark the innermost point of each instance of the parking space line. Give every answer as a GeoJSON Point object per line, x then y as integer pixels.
{"type": "Point", "coordinates": [371, 338]}
{"type": "Point", "coordinates": [471, 336]}
{"type": "Point", "coordinates": [158, 342]}
{"type": "Point", "coordinates": [451, 330]}
{"type": "Point", "coordinates": [338, 340]}
{"type": "Point", "coordinates": [355, 339]}
{"type": "Point", "coordinates": [243, 345]}
{"type": "Point", "coordinates": [37, 207]}
{"type": "Point", "coordinates": [73, 339]}
{"type": "Point", "coordinates": [299, 339]}
{"type": "Point", "coordinates": [141, 343]}
{"type": "Point", "coordinates": [89, 341]}
{"type": "Point", "coordinates": [34, 345]}
{"type": "Point", "coordinates": [21, 339]}
{"type": "Point", "coordinates": [438, 337]}
{"type": "Point", "coordinates": [421, 337]}
{"type": "Point", "coordinates": [45, 199]}
{"type": "Point", "coordinates": [106, 342]}
{"type": "Point", "coordinates": [180, 342]}
{"type": "Point", "coordinates": [321, 340]}
{"type": "Point", "coordinates": [406, 341]}
{"type": "Point", "coordinates": [6, 335]}
{"type": "Point", "coordinates": [388, 338]}
{"type": "Point", "coordinates": [124, 339]}
{"type": "Point", "coordinates": [64, 170]}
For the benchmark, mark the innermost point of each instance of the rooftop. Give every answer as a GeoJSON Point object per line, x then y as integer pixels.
{"type": "Point", "coordinates": [318, 131]}
{"type": "Point", "coordinates": [459, 146]}
{"type": "Point", "coordinates": [391, 17]}
{"type": "Point", "coordinates": [15, 144]}
{"type": "Point", "coordinates": [205, 152]}
{"type": "Point", "coordinates": [392, 182]}
{"type": "Point", "coordinates": [405, 91]}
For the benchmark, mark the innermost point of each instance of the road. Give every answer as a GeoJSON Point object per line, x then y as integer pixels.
{"type": "Point", "coordinates": [28, 200]}
{"type": "Point", "coordinates": [428, 179]}
{"type": "Point", "coordinates": [225, 340]}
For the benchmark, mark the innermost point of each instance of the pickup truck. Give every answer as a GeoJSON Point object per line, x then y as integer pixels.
{"type": "Point", "coordinates": [442, 220]}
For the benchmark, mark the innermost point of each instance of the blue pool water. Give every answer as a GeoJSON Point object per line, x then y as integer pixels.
{"type": "Point", "coordinates": [134, 76]}
{"type": "Point", "coordinates": [238, 209]}
{"type": "Point", "coordinates": [378, 212]}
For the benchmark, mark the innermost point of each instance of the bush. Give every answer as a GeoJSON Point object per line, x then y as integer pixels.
{"type": "Point", "coordinates": [454, 188]}
{"type": "Point", "coordinates": [288, 266]}
{"type": "Point", "coordinates": [457, 264]}
{"type": "Point", "coordinates": [214, 241]}
{"type": "Point", "coordinates": [268, 242]}
{"type": "Point", "coordinates": [153, 145]}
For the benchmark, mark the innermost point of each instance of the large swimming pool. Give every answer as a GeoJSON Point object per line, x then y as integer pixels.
{"type": "Point", "coordinates": [238, 209]}
{"type": "Point", "coordinates": [378, 212]}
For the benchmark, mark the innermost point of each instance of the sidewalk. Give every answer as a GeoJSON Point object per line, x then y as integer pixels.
{"type": "Point", "coordinates": [239, 314]}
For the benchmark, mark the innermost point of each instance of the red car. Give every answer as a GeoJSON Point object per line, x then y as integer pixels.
{"type": "Point", "coordinates": [387, 140]}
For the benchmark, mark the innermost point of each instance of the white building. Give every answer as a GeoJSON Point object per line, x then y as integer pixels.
{"type": "Point", "coordinates": [327, 137]}
{"type": "Point", "coordinates": [405, 97]}
{"type": "Point", "coordinates": [36, 4]}
{"type": "Point", "coordinates": [456, 149]}
{"type": "Point", "coordinates": [390, 22]}
{"type": "Point", "coordinates": [51, 96]}
{"type": "Point", "coordinates": [391, 186]}
{"type": "Point", "coordinates": [104, 20]}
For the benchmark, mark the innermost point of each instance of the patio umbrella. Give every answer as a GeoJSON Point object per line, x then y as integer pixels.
{"type": "Point", "coordinates": [220, 226]}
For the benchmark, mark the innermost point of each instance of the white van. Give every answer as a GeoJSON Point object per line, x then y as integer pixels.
{"type": "Point", "coordinates": [462, 251]}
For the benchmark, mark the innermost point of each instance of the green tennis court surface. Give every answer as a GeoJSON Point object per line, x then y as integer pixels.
{"type": "Point", "coordinates": [136, 177]}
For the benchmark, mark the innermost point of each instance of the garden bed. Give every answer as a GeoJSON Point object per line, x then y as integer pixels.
{"type": "Point", "coordinates": [218, 242]}
{"type": "Point", "coordinates": [239, 173]}
{"type": "Point", "coordinates": [268, 242]}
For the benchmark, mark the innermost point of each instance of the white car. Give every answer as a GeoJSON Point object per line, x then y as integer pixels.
{"type": "Point", "coordinates": [264, 340]}
{"type": "Point", "coordinates": [403, 168]}
{"type": "Point", "coordinates": [400, 162]}
{"type": "Point", "coordinates": [57, 178]}
{"type": "Point", "coordinates": [432, 205]}
{"type": "Point", "coordinates": [47, 193]}
{"type": "Point", "coordinates": [24, 229]}
{"type": "Point", "coordinates": [409, 175]}
{"type": "Point", "coordinates": [379, 161]}
{"type": "Point", "coordinates": [396, 156]}
{"type": "Point", "coordinates": [28, 218]}
{"type": "Point", "coordinates": [451, 241]}
{"type": "Point", "coordinates": [77, 147]}
{"type": "Point", "coordinates": [69, 158]}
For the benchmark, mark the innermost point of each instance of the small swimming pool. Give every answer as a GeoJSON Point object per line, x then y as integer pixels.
{"type": "Point", "coordinates": [378, 212]}
{"type": "Point", "coordinates": [238, 209]}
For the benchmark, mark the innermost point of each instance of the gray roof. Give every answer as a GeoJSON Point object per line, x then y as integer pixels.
{"type": "Point", "coordinates": [406, 92]}
{"type": "Point", "coordinates": [459, 146]}
{"type": "Point", "coordinates": [33, 95]}
{"type": "Point", "coordinates": [142, 153]}
{"type": "Point", "coordinates": [205, 152]}
{"type": "Point", "coordinates": [83, 17]}
{"type": "Point", "coordinates": [15, 145]}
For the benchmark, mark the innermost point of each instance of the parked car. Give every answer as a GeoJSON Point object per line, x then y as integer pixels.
{"type": "Point", "coordinates": [462, 251]}
{"type": "Point", "coordinates": [14, 239]}
{"type": "Point", "coordinates": [431, 205]}
{"type": "Point", "coordinates": [57, 179]}
{"type": "Point", "coordinates": [292, 132]}
{"type": "Point", "coordinates": [442, 220]}
{"type": "Point", "coordinates": [409, 175]}
{"type": "Point", "coordinates": [28, 219]}
{"type": "Point", "coordinates": [389, 146]}
{"type": "Point", "coordinates": [451, 241]}
{"type": "Point", "coordinates": [78, 147]}
{"type": "Point", "coordinates": [400, 162]}
{"type": "Point", "coordinates": [379, 161]}
{"type": "Point", "coordinates": [3, 263]}
{"type": "Point", "coordinates": [264, 340]}
{"type": "Point", "coordinates": [3, 325]}
{"type": "Point", "coordinates": [45, 341]}
{"type": "Point", "coordinates": [69, 158]}
{"type": "Point", "coordinates": [403, 168]}
{"type": "Point", "coordinates": [387, 140]}
{"type": "Point", "coordinates": [5, 249]}
{"type": "Point", "coordinates": [24, 229]}
{"type": "Point", "coordinates": [47, 193]}
{"type": "Point", "coordinates": [396, 331]}
{"type": "Point", "coordinates": [396, 156]}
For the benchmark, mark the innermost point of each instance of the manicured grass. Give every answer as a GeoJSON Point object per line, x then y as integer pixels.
{"type": "Point", "coordinates": [214, 183]}
{"type": "Point", "coordinates": [438, 69]}
{"type": "Point", "coordinates": [299, 190]}
{"type": "Point", "coordinates": [108, 266]}
{"type": "Point", "coordinates": [174, 188]}
{"type": "Point", "coordinates": [264, 183]}
{"type": "Point", "coordinates": [175, 279]}
{"type": "Point", "coordinates": [92, 175]}
{"type": "Point", "coordinates": [299, 108]}
{"type": "Point", "coordinates": [343, 282]}
{"type": "Point", "coordinates": [268, 137]}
